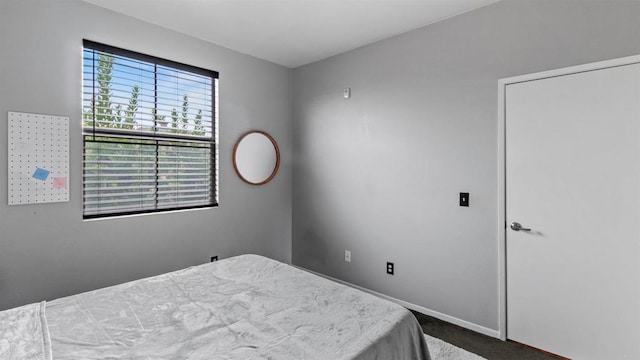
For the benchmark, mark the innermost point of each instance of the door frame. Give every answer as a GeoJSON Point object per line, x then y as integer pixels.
{"type": "Point", "coordinates": [502, 216]}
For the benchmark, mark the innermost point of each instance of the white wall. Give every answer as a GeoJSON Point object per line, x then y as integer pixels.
{"type": "Point", "coordinates": [379, 174]}
{"type": "Point", "coordinates": [47, 250]}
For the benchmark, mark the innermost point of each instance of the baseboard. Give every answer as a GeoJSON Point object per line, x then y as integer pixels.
{"type": "Point", "coordinates": [438, 315]}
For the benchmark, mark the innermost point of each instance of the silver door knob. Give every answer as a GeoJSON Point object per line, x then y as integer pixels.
{"type": "Point", "coordinates": [515, 226]}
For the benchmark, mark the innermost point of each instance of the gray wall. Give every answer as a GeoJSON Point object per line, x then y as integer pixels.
{"type": "Point", "coordinates": [47, 250]}
{"type": "Point", "coordinates": [379, 174]}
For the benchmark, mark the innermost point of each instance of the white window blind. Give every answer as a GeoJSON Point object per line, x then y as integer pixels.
{"type": "Point", "coordinates": [149, 128]}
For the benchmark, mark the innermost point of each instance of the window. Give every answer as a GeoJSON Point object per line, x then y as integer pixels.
{"type": "Point", "coordinates": [150, 130]}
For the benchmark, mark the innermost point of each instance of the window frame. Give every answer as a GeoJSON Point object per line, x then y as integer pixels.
{"type": "Point", "coordinates": [158, 138]}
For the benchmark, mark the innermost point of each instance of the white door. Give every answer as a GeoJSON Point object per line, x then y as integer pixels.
{"type": "Point", "coordinates": [573, 179]}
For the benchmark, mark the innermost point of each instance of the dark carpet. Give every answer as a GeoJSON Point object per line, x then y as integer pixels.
{"type": "Point", "coordinates": [485, 346]}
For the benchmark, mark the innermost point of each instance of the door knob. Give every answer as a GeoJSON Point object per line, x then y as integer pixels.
{"type": "Point", "coordinates": [515, 226]}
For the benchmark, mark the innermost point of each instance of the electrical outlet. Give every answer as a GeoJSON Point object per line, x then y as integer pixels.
{"type": "Point", "coordinates": [347, 256]}
{"type": "Point", "coordinates": [464, 199]}
{"type": "Point", "coordinates": [214, 258]}
{"type": "Point", "coordinates": [390, 268]}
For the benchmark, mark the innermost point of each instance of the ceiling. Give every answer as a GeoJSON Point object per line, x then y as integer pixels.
{"type": "Point", "coordinates": [291, 32]}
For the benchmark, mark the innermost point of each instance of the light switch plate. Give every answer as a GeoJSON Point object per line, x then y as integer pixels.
{"type": "Point", "coordinates": [464, 199]}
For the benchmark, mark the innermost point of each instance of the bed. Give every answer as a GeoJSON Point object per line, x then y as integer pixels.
{"type": "Point", "coordinates": [244, 307]}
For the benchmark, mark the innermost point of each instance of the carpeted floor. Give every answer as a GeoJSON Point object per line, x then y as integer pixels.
{"type": "Point", "coordinates": [485, 346]}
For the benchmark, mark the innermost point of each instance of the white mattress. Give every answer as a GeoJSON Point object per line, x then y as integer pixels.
{"type": "Point", "coordinates": [245, 307]}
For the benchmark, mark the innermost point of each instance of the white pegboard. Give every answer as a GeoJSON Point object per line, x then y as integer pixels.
{"type": "Point", "coordinates": [38, 161]}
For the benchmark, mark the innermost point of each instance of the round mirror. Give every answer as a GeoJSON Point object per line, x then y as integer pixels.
{"type": "Point", "coordinates": [256, 157]}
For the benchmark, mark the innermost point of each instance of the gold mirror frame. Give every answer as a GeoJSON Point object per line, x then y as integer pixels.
{"type": "Point", "coordinates": [235, 158]}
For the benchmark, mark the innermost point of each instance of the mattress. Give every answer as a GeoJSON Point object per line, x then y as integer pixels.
{"type": "Point", "coordinates": [245, 307]}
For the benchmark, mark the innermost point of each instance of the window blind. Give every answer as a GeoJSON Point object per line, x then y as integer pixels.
{"type": "Point", "coordinates": [149, 128]}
